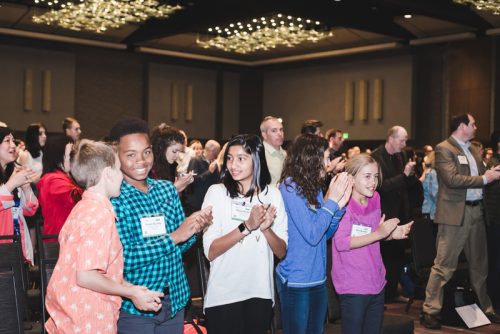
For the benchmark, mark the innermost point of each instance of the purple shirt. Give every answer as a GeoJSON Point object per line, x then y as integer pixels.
{"type": "Point", "coordinates": [361, 270]}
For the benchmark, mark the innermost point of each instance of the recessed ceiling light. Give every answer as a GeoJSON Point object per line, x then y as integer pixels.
{"type": "Point", "coordinates": [408, 16]}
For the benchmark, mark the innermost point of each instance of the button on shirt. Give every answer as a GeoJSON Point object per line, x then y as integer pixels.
{"type": "Point", "coordinates": [473, 194]}
{"type": "Point", "coordinates": [153, 262]}
{"type": "Point", "coordinates": [274, 159]}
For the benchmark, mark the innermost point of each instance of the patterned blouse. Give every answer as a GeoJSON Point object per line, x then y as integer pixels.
{"type": "Point", "coordinates": [88, 241]}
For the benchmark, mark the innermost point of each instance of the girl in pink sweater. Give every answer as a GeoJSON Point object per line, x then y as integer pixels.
{"type": "Point", "coordinates": [358, 272]}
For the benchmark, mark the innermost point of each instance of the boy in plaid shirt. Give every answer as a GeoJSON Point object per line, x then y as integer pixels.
{"type": "Point", "coordinates": [154, 233]}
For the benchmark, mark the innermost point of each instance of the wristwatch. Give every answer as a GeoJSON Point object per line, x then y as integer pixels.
{"type": "Point", "coordinates": [243, 229]}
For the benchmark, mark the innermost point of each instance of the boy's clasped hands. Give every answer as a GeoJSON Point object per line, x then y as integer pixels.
{"type": "Point", "coordinates": [143, 298]}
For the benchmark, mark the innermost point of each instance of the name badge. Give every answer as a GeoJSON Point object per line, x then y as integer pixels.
{"type": "Point", "coordinates": [153, 226]}
{"type": "Point", "coordinates": [240, 210]}
{"type": "Point", "coordinates": [360, 230]}
{"type": "Point", "coordinates": [462, 159]}
{"type": "Point", "coordinates": [16, 211]}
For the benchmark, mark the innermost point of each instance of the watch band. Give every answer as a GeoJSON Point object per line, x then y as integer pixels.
{"type": "Point", "coordinates": [243, 229]}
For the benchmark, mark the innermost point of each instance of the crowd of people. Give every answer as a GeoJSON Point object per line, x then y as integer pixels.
{"type": "Point", "coordinates": [125, 210]}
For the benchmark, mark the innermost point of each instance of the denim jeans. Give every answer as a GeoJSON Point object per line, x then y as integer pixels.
{"type": "Point", "coordinates": [362, 314]}
{"type": "Point", "coordinates": [162, 323]}
{"type": "Point", "coordinates": [303, 310]}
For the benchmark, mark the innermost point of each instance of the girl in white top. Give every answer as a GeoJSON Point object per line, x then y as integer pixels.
{"type": "Point", "coordinates": [249, 228]}
{"type": "Point", "coordinates": [31, 157]}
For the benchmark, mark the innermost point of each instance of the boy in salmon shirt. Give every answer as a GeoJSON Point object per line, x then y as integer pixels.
{"type": "Point", "coordinates": [85, 288]}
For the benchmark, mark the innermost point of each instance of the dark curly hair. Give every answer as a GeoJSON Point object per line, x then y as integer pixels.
{"type": "Point", "coordinates": [304, 165]}
{"type": "Point", "coordinates": [32, 139]}
{"type": "Point", "coordinates": [261, 177]}
{"type": "Point", "coordinates": [162, 137]}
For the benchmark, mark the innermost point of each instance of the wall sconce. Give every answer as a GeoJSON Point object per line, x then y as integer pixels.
{"type": "Point", "coordinates": [349, 101]}
{"type": "Point", "coordinates": [46, 90]}
{"type": "Point", "coordinates": [378, 98]}
{"type": "Point", "coordinates": [363, 100]}
{"type": "Point", "coordinates": [189, 103]}
{"type": "Point", "coordinates": [174, 102]}
{"type": "Point", "coordinates": [28, 89]}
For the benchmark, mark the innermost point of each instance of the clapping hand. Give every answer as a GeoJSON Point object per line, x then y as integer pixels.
{"type": "Point", "coordinates": [386, 227]}
{"type": "Point", "coordinates": [21, 176]}
{"type": "Point", "coordinates": [409, 168]}
{"type": "Point", "coordinates": [269, 217]}
{"type": "Point", "coordinates": [401, 232]}
{"type": "Point", "coordinates": [340, 189]}
{"type": "Point", "coordinates": [203, 218]}
{"type": "Point", "coordinates": [183, 180]}
{"type": "Point", "coordinates": [193, 224]}
{"type": "Point", "coordinates": [256, 218]}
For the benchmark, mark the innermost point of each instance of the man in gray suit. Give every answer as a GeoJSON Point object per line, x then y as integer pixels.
{"type": "Point", "coordinates": [459, 214]}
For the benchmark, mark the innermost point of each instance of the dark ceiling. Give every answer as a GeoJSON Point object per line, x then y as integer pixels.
{"type": "Point", "coordinates": [355, 23]}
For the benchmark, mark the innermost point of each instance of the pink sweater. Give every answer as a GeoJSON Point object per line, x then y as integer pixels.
{"type": "Point", "coordinates": [361, 270]}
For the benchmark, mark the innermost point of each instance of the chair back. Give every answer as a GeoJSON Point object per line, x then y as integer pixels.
{"type": "Point", "coordinates": [12, 291]}
{"type": "Point", "coordinates": [423, 244]}
{"type": "Point", "coordinates": [49, 253]}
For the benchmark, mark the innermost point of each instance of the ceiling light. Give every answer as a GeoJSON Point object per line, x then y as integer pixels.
{"type": "Point", "coordinates": [284, 32]}
{"type": "Point", "coordinates": [100, 15]}
{"type": "Point", "coordinates": [408, 16]}
{"type": "Point", "coordinates": [491, 5]}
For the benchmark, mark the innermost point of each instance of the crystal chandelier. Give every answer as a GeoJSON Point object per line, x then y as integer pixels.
{"type": "Point", "coordinates": [100, 15]}
{"type": "Point", "coordinates": [262, 34]}
{"type": "Point", "coordinates": [491, 5]}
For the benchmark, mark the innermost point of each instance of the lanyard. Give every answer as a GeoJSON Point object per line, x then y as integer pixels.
{"type": "Point", "coordinates": [15, 215]}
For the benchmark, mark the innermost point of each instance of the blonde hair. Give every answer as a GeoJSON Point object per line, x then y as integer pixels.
{"type": "Point", "coordinates": [430, 159]}
{"type": "Point", "coordinates": [354, 165]}
{"type": "Point", "coordinates": [88, 160]}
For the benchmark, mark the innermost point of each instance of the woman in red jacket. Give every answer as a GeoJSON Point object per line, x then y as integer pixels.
{"type": "Point", "coordinates": [57, 192]}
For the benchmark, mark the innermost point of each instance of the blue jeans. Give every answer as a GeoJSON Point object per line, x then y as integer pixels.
{"type": "Point", "coordinates": [303, 310]}
{"type": "Point", "coordinates": [162, 323]}
{"type": "Point", "coordinates": [362, 314]}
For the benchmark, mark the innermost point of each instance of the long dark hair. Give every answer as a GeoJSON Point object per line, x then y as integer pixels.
{"type": "Point", "coordinates": [260, 174]}
{"type": "Point", "coordinates": [53, 157]}
{"type": "Point", "coordinates": [162, 137]}
{"type": "Point", "coordinates": [9, 168]}
{"type": "Point", "coordinates": [304, 165]}
{"type": "Point", "coordinates": [32, 139]}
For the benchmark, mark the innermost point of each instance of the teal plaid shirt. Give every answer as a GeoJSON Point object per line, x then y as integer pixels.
{"type": "Point", "coordinates": [153, 262]}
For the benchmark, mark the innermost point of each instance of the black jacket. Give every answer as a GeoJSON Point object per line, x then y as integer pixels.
{"type": "Point", "coordinates": [394, 188]}
{"type": "Point", "coordinates": [195, 193]}
{"type": "Point", "coordinates": [492, 195]}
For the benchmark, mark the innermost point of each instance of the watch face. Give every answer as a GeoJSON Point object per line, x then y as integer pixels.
{"type": "Point", "coordinates": [242, 227]}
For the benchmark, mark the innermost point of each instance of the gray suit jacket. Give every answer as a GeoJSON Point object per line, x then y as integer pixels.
{"type": "Point", "coordinates": [454, 180]}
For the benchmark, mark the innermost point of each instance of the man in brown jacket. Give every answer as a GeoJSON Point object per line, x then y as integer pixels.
{"type": "Point", "coordinates": [459, 214]}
